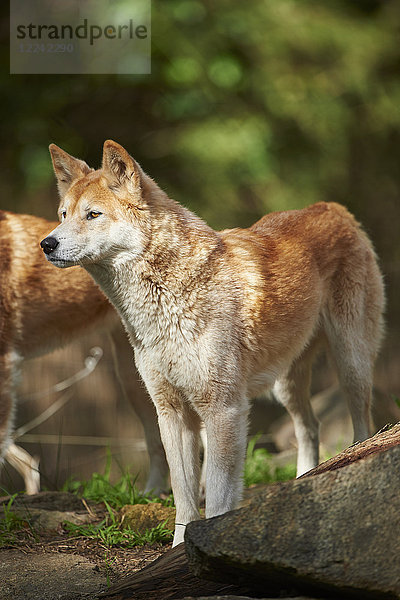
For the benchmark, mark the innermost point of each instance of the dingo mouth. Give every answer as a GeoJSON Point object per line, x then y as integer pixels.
{"type": "Point", "coordinates": [60, 262]}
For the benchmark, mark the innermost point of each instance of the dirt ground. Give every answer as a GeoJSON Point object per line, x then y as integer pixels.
{"type": "Point", "coordinates": [52, 565]}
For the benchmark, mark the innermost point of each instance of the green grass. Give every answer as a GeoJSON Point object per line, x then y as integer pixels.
{"type": "Point", "coordinates": [110, 534]}
{"type": "Point", "coordinates": [100, 489]}
{"type": "Point", "coordinates": [12, 524]}
{"type": "Point", "coordinates": [115, 495]}
{"type": "Point", "coordinates": [259, 467]}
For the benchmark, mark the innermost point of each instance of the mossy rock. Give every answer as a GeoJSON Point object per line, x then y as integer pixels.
{"type": "Point", "coordinates": [142, 517]}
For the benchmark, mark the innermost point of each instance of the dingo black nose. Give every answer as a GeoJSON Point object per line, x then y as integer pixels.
{"type": "Point", "coordinates": [49, 244]}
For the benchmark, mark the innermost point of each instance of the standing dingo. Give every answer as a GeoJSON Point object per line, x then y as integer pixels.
{"type": "Point", "coordinates": [217, 317]}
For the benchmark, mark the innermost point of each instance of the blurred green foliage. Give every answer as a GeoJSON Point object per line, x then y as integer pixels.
{"type": "Point", "coordinates": [250, 107]}
{"type": "Point", "coordinates": [261, 468]}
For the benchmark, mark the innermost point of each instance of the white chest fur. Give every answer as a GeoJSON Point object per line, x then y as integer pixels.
{"type": "Point", "coordinates": [168, 333]}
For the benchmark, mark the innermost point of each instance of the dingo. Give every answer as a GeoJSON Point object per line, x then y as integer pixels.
{"type": "Point", "coordinates": [40, 311]}
{"type": "Point", "coordinates": [216, 317]}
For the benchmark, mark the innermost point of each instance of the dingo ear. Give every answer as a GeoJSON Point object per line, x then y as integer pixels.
{"type": "Point", "coordinates": [120, 167]}
{"type": "Point", "coordinates": [66, 168]}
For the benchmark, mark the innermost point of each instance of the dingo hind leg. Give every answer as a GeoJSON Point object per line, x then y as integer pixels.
{"type": "Point", "coordinates": [7, 401]}
{"type": "Point", "coordinates": [26, 465]}
{"type": "Point", "coordinates": [293, 391]}
{"type": "Point", "coordinates": [354, 326]}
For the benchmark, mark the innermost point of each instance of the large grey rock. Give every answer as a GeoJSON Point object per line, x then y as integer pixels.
{"type": "Point", "coordinates": [335, 532]}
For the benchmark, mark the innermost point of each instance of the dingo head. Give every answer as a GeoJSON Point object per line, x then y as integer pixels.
{"type": "Point", "coordinates": [103, 213]}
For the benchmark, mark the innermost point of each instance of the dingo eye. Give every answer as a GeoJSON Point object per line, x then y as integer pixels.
{"type": "Point", "coordinates": [93, 214]}
{"type": "Point", "coordinates": [63, 214]}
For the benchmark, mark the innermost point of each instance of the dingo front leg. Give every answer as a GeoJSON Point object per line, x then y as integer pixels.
{"type": "Point", "coordinates": [180, 434]}
{"type": "Point", "coordinates": [226, 449]}
{"type": "Point", "coordinates": [180, 427]}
